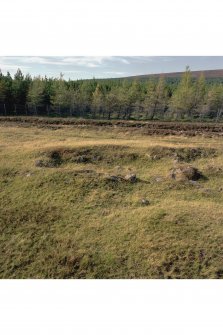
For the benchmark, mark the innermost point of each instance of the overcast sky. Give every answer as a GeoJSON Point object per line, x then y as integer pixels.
{"type": "Point", "coordinates": [79, 67]}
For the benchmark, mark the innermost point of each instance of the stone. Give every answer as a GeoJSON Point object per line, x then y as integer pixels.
{"type": "Point", "coordinates": [145, 201]}
{"type": "Point", "coordinates": [185, 173]}
{"type": "Point", "coordinates": [131, 177]}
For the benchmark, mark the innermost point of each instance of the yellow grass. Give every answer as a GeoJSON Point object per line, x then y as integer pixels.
{"type": "Point", "coordinates": [64, 222]}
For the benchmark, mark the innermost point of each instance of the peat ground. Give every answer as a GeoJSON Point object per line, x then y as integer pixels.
{"type": "Point", "coordinates": [95, 199]}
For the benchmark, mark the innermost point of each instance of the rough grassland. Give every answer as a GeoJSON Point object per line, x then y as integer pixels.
{"type": "Point", "coordinates": [67, 219]}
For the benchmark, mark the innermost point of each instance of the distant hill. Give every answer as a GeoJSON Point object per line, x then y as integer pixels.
{"type": "Point", "coordinates": [209, 74]}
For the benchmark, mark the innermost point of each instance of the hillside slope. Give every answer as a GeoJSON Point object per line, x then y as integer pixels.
{"type": "Point", "coordinates": [195, 74]}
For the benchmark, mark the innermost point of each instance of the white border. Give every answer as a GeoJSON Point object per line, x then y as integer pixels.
{"type": "Point", "coordinates": [111, 27]}
{"type": "Point", "coordinates": [111, 307]}
{"type": "Point", "coordinates": [114, 27]}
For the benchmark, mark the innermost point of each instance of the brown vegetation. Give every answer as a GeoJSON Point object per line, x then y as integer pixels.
{"type": "Point", "coordinates": [106, 208]}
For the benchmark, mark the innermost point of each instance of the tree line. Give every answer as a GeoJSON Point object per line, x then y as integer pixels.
{"type": "Point", "coordinates": [151, 99]}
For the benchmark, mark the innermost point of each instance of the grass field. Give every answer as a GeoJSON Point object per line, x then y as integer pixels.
{"type": "Point", "coordinates": [67, 211]}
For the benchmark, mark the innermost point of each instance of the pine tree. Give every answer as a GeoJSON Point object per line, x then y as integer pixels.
{"type": "Point", "coordinates": [200, 94]}
{"type": "Point", "coordinates": [113, 103]}
{"type": "Point", "coordinates": [155, 101]}
{"type": "Point", "coordinates": [85, 97]}
{"type": "Point", "coordinates": [59, 100]}
{"type": "Point", "coordinates": [36, 92]}
{"type": "Point", "coordinates": [20, 87]}
{"type": "Point", "coordinates": [97, 101]}
{"type": "Point", "coordinates": [72, 98]}
{"type": "Point", "coordinates": [134, 99]}
{"type": "Point", "coordinates": [150, 99]}
{"type": "Point", "coordinates": [2, 92]}
{"type": "Point", "coordinates": [214, 102]}
{"type": "Point", "coordinates": [183, 99]}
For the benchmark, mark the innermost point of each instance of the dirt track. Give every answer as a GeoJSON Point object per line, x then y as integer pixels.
{"type": "Point", "coordinates": [148, 128]}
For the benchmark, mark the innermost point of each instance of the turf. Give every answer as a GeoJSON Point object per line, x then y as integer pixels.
{"type": "Point", "coordinates": [65, 218]}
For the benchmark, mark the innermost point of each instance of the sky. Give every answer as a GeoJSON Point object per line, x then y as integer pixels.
{"type": "Point", "coordinates": [86, 67]}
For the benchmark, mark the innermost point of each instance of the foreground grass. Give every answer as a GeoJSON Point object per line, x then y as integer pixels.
{"type": "Point", "coordinates": [69, 221]}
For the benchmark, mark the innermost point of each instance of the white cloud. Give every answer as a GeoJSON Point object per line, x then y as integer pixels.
{"type": "Point", "coordinates": [143, 59]}
{"type": "Point", "coordinates": [72, 71]}
{"type": "Point", "coordinates": [40, 60]}
{"type": "Point", "coordinates": [93, 61]}
{"type": "Point", "coordinates": [125, 61]}
{"type": "Point", "coordinates": [92, 65]}
{"type": "Point", "coordinates": [79, 61]}
{"type": "Point", "coordinates": [27, 62]}
{"type": "Point", "coordinates": [166, 58]}
{"type": "Point", "coordinates": [10, 67]}
{"type": "Point", "coordinates": [114, 73]}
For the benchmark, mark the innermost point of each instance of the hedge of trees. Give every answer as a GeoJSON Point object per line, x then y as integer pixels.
{"type": "Point", "coordinates": [150, 99]}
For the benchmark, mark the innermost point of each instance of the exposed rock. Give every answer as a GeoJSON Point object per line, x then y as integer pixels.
{"type": "Point", "coordinates": [158, 179]}
{"type": "Point", "coordinates": [193, 182]}
{"type": "Point", "coordinates": [184, 173]}
{"type": "Point", "coordinates": [145, 201]}
{"type": "Point", "coordinates": [131, 177]}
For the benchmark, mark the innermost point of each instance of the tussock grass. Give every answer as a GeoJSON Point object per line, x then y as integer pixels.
{"type": "Point", "coordinates": [67, 220]}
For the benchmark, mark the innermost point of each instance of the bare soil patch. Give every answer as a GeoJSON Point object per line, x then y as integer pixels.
{"type": "Point", "coordinates": [162, 128]}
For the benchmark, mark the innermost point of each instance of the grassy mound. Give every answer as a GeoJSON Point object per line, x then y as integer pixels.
{"type": "Point", "coordinates": [71, 221]}
{"type": "Point", "coordinates": [182, 154]}
{"type": "Point", "coordinates": [108, 154]}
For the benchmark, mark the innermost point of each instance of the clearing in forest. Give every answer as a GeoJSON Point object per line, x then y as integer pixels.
{"type": "Point", "coordinates": [95, 201]}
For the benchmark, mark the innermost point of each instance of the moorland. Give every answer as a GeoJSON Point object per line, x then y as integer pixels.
{"type": "Point", "coordinates": [110, 199]}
